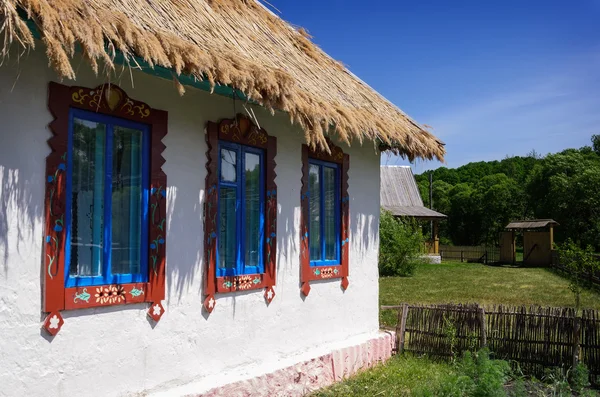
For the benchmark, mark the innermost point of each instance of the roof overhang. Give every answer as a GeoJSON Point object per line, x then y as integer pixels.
{"type": "Point", "coordinates": [531, 224]}
{"type": "Point", "coordinates": [158, 45]}
{"type": "Point", "coordinates": [415, 212]}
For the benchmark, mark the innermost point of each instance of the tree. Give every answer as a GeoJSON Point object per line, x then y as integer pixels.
{"type": "Point", "coordinates": [463, 217]}
{"type": "Point", "coordinates": [579, 264]}
{"type": "Point", "coordinates": [500, 199]}
{"type": "Point", "coordinates": [565, 188]}
{"type": "Point", "coordinates": [596, 143]}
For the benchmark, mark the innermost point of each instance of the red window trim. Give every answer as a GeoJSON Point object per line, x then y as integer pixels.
{"type": "Point", "coordinates": [239, 130]}
{"type": "Point", "coordinates": [308, 273]}
{"type": "Point", "coordinates": [111, 100]}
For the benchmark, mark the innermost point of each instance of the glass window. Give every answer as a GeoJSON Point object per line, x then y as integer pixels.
{"type": "Point", "coordinates": [228, 165]}
{"type": "Point", "coordinates": [323, 190]}
{"type": "Point", "coordinates": [314, 188]}
{"type": "Point", "coordinates": [126, 200]}
{"type": "Point", "coordinates": [107, 191]}
{"type": "Point", "coordinates": [241, 210]}
{"type": "Point", "coordinates": [329, 213]}
{"type": "Point", "coordinates": [227, 227]}
{"type": "Point", "coordinates": [252, 208]}
{"type": "Point", "coordinates": [87, 203]}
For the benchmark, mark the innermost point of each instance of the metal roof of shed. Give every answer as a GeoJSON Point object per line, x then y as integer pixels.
{"type": "Point", "coordinates": [532, 224]}
{"type": "Point", "coordinates": [400, 195]}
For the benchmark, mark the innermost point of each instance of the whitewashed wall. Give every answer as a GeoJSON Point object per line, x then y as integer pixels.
{"type": "Point", "coordinates": [115, 351]}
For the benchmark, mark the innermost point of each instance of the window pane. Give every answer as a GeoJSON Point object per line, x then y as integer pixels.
{"type": "Point", "coordinates": [228, 165]}
{"type": "Point", "coordinates": [87, 200]}
{"type": "Point", "coordinates": [314, 193]}
{"type": "Point", "coordinates": [252, 202]}
{"type": "Point", "coordinates": [329, 215]}
{"type": "Point", "coordinates": [126, 201]}
{"type": "Point", "coordinates": [227, 227]}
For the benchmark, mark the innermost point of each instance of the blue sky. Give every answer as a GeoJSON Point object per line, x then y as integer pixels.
{"type": "Point", "coordinates": [492, 77]}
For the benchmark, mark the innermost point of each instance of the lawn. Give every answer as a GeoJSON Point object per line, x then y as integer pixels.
{"type": "Point", "coordinates": [400, 376]}
{"type": "Point", "coordinates": [476, 375]}
{"type": "Point", "coordinates": [477, 283]}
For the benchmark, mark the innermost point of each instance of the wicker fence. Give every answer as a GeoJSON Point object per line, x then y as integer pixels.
{"type": "Point", "coordinates": [536, 338]}
{"type": "Point", "coordinates": [480, 253]}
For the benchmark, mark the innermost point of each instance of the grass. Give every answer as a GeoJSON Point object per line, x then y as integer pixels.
{"type": "Point", "coordinates": [475, 375]}
{"type": "Point", "coordinates": [398, 377]}
{"type": "Point", "coordinates": [477, 283]}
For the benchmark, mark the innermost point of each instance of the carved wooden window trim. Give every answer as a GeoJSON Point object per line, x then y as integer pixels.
{"type": "Point", "coordinates": [107, 99]}
{"type": "Point", "coordinates": [242, 131]}
{"type": "Point", "coordinates": [307, 272]}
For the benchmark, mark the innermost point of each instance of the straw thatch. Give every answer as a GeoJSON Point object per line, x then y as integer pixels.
{"type": "Point", "coordinates": [234, 42]}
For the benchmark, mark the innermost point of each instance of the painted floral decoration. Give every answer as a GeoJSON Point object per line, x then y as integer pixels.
{"type": "Point", "coordinates": [110, 294]}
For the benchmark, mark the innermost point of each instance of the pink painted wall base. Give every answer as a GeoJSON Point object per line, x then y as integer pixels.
{"type": "Point", "coordinates": [302, 378]}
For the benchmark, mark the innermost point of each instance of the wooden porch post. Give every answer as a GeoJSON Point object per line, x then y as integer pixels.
{"type": "Point", "coordinates": [436, 238]}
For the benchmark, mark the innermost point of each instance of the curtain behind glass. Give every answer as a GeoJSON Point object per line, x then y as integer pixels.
{"type": "Point", "coordinates": [329, 215]}
{"type": "Point", "coordinates": [227, 227]}
{"type": "Point", "coordinates": [126, 201]}
{"type": "Point", "coordinates": [87, 198]}
{"type": "Point", "coordinates": [314, 193]}
{"type": "Point", "coordinates": [252, 203]}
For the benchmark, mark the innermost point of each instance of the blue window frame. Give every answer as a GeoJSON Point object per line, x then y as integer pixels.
{"type": "Point", "coordinates": [324, 213]}
{"type": "Point", "coordinates": [241, 210]}
{"type": "Point", "coordinates": [107, 200]}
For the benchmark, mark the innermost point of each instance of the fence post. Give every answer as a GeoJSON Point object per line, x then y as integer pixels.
{"type": "Point", "coordinates": [461, 256]}
{"type": "Point", "coordinates": [576, 335]}
{"type": "Point", "coordinates": [482, 324]}
{"type": "Point", "coordinates": [401, 328]}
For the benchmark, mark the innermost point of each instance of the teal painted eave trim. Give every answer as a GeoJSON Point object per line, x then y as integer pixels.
{"type": "Point", "coordinates": [158, 71]}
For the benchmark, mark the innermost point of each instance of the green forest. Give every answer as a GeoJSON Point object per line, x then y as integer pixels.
{"type": "Point", "coordinates": [481, 198]}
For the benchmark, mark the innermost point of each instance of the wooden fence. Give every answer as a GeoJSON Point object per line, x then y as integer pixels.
{"type": "Point", "coordinates": [481, 254]}
{"type": "Point", "coordinates": [536, 338]}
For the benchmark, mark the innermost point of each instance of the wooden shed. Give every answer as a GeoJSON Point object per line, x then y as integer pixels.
{"type": "Point", "coordinates": [538, 241]}
{"type": "Point", "coordinates": [400, 195]}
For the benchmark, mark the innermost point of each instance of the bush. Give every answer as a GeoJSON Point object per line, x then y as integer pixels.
{"type": "Point", "coordinates": [475, 374]}
{"type": "Point", "coordinates": [400, 244]}
{"type": "Point", "coordinates": [580, 378]}
{"type": "Point", "coordinates": [488, 376]}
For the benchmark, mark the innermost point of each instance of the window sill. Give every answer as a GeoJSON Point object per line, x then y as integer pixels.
{"type": "Point", "coordinates": [106, 295]}
{"type": "Point", "coordinates": [245, 282]}
{"type": "Point", "coordinates": [324, 272]}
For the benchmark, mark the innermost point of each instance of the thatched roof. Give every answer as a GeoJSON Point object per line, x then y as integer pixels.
{"type": "Point", "coordinates": [238, 43]}
{"type": "Point", "coordinates": [531, 224]}
{"type": "Point", "coordinates": [400, 195]}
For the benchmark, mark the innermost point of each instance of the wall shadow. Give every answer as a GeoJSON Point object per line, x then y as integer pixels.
{"type": "Point", "coordinates": [20, 214]}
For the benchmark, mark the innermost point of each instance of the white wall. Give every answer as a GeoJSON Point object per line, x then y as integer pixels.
{"type": "Point", "coordinates": [115, 351]}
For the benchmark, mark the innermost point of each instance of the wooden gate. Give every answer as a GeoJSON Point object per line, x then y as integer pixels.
{"type": "Point", "coordinates": [537, 249]}
{"type": "Point", "coordinates": [507, 247]}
